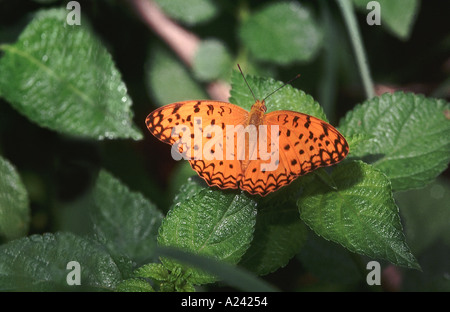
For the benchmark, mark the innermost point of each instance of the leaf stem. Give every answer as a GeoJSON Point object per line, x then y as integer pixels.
{"type": "Point", "coordinates": [232, 275]}
{"type": "Point", "coordinates": [348, 13]}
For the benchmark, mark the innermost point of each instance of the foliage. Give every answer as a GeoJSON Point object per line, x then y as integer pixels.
{"type": "Point", "coordinates": [79, 183]}
{"type": "Point", "coordinates": [39, 71]}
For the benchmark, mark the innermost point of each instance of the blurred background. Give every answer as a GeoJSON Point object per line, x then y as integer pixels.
{"type": "Point", "coordinates": [171, 50]}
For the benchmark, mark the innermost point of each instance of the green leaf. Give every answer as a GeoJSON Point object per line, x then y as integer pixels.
{"type": "Point", "coordinates": [180, 176]}
{"type": "Point", "coordinates": [410, 137]}
{"type": "Point", "coordinates": [163, 279]}
{"type": "Point", "coordinates": [184, 287]}
{"type": "Point", "coordinates": [189, 12]}
{"type": "Point", "coordinates": [39, 263]}
{"type": "Point", "coordinates": [355, 139]}
{"type": "Point", "coordinates": [281, 33]}
{"type": "Point", "coordinates": [62, 78]}
{"type": "Point", "coordinates": [279, 232]}
{"type": "Point", "coordinates": [211, 61]}
{"type": "Point", "coordinates": [168, 80]}
{"type": "Point", "coordinates": [191, 187]}
{"type": "Point", "coordinates": [213, 223]}
{"type": "Point", "coordinates": [287, 98]}
{"type": "Point", "coordinates": [155, 271]}
{"type": "Point", "coordinates": [124, 221]}
{"type": "Point", "coordinates": [360, 214]}
{"type": "Point", "coordinates": [134, 285]}
{"type": "Point", "coordinates": [231, 275]}
{"type": "Point", "coordinates": [396, 16]}
{"type": "Point", "coordinates": [14, 205]}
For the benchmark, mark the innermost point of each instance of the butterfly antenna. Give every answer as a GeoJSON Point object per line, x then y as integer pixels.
{"type": "Point", "coordinates": [296, 77]}
{"type": "Point", "coordinates": [246, 82]}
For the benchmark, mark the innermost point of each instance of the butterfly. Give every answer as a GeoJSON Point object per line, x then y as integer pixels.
{"type": "Point", "coordinates": [231, 147]}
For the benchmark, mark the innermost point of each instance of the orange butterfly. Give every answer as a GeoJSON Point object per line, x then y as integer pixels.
{"type": "Point", "coordinates": [254, 151]}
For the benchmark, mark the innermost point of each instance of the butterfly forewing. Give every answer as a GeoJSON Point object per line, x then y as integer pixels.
{"type": "Point", "coordinates": [197, 129]}
{"type": "Point", "coordinates": [306, 142]}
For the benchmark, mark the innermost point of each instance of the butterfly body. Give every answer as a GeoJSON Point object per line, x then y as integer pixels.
{"type": "Point", "coordinates": [230, 147]}
{"type": "Point", "coordinates": [255, 118]}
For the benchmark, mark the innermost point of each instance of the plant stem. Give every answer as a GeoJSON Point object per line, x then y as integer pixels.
{"type": "Point", "coordinates": [327, 84]}
{"type": "Point", "coordinates": [182, 41]}
{"type": "Point", "coordinates": [355, 37]}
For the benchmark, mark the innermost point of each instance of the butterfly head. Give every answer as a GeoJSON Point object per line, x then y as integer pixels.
{"type": "Point", "coordinates": [259, 106]}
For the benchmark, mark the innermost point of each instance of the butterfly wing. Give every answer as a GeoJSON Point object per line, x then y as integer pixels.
{"type": "Point", "coordinates": [197, 130]}
{"type": "Point", "coordinates": [305, 143]}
